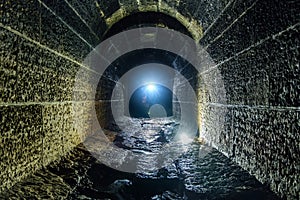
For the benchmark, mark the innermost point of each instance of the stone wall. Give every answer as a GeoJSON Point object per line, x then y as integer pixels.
{"type": "Point", "coordinates": [43, 44]}
{"type": "Point", "coordinates": [253, 43]}
{"type": "Point", "coordinates": [255, 46]}
{"type": "Point", "coordinates": [42, 47]}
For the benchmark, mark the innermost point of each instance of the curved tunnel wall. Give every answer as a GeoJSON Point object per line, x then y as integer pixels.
{"type": "Point", "coordinates": [253, 43]}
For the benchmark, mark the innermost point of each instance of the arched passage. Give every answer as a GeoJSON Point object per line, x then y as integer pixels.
{"type": "Point", "coordinates": [254, 47]}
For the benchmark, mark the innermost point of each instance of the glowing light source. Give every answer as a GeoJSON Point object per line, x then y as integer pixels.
{"type": "Point", "coordinates": [151, 87]}
{"type": "Point", "coordinates": [185, 139]}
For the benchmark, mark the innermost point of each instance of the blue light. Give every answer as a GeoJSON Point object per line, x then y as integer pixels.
{"type": "Point", "coordinates": [151, 87]}
{"type": "Point", "coordinates": [151, 101]}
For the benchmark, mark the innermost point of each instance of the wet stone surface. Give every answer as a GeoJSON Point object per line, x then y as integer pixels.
{"type": "Point", "coordinates": [200, 173]}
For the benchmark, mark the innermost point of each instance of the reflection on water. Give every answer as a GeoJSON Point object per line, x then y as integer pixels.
{"type": "Point", "coordinates": [200, 173]}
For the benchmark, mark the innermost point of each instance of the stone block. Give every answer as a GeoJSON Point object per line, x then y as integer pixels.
{"type": "Point", "coordinates": [246, 78]}
{"type": "Point", "coordinates": [215, 86]}
{"type": "Point", "coordinates": [41, 81]}
{"type": "Point", "coordinates": [8, 66]}
{"type": "Point", "coordinates": [263, 20]}
{"type": "Point", "coordinates": [108, 7]}
{"type": "Point", "coordinates": [205, 12]}
{"type": "Point", "coordinates": [70, 16]}
{"type": "Point", "coordinates": [33, 74]}
{"type": "Point", "coordinates": [284, 69]}
{"type": "Point", "coordinates": [232, 12]}
{"type": "Point", "coordinates": [20, 143]}
{"type": "Point", "coordinates": [216, 128]}
{"type": "Point", "coordinates": [90, 13]}
{"type": "Point", "coordinates": [54, 118]}
{"type": "Point", "coordinates": [19, 15]}
{"type": "Point", "coordinates": [129, 5]}
{"type": "Point", "coordinates": [266, 143]}
{"type": "Point", "coordinates": [18, 58]}
{"type": "Point", "coordinates": [172, 4]}
{"type": "Point", "coordinates": [65, 126]}
{"type": "Point", "coordinates": [58, 76]}
{"type": "Point", "coordinates": [79, 122]}
{"type": "Point", "coordinates": [62, 38]}
{"type": "Point", "coordinates": [233, 75]}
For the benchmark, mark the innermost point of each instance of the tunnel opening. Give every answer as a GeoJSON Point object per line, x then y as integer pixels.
{"type": "Point", "coordinates": [153, 120]}
{"type": "Point", "coordinates": [151, 101]}
{"type": "Point", "coordinates": [139, 57]}
{"type": "Point", "coordinates": [145, 66]}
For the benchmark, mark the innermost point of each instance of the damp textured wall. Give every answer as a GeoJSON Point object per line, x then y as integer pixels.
{"type": "Point", "coordinates": [255, 45]}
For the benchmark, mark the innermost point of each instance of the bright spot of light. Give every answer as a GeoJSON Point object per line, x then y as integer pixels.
{"type": "Point", "coordinates": [151, 87]}
{"type": "Point", "coordinates": [185, 139]}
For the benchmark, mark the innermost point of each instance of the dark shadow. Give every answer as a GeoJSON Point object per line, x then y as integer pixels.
{"type": "Point", "coordinates": [146, 19]}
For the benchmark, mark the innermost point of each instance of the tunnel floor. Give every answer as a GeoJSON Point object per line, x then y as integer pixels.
{"type": "Point", "coordinates": [193, 175]}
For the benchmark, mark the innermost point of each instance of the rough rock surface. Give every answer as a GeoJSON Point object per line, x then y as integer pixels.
{"type": "Point", "coordinates": [200, 173]}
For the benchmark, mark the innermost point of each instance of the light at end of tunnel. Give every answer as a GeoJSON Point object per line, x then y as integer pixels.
{"type": "Point", "coordinates": [185, 139]}
{"type": "Point", "coordinates": [151, 87]}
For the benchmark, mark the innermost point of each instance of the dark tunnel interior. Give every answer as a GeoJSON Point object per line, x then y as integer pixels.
{"type": "Point", "coordinates": [149, 99]}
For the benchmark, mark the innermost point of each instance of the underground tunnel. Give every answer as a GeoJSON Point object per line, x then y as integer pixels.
{"type": "Point", "coordinates": [149, 99]}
